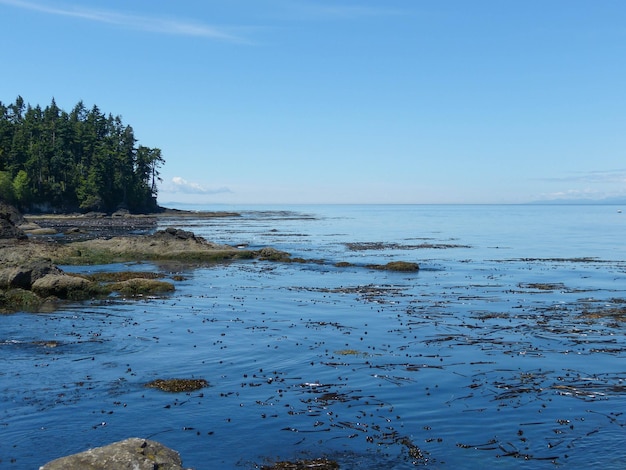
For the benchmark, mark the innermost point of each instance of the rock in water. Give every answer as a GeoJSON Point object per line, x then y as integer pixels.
{"type": "Point", "coordinates": [130, 454]}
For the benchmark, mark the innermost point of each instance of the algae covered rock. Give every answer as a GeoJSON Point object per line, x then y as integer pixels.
{"type": "Point", "coordinates": [130, 454]}
{"type": "Point", "coordinates": [272, 254]}
{"type": "Point", "coordinates": [403, 266]}
{"type": "Point", "coordinates": [63, 286]}
{"type": "Point", "coordinates": [19, 299]}
{"type": "Point", "coordinates": [164, 245]}
{"type": "Point", "coordinates": [138, 286]}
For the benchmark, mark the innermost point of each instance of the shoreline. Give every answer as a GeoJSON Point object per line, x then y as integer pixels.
{"type": "Point", "coordinates": [30, 277]}
{"type": "Point", "coordinates": [33, 246]}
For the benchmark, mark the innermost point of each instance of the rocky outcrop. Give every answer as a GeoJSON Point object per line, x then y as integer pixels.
{"type": "Point", "coordinates": [9, 220]}
{"type": "Point", "coordinates": [23, 276]}
{"type": "Point", "coordinates": [165, 245]}
{"type": "Point", "coordinates": [130, 454]}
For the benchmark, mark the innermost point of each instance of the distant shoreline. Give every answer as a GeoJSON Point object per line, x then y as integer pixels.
{"type": "Point", "coordinates": [76, 226]}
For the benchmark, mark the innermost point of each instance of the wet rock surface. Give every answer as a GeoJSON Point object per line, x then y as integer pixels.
{"type": "Point", "coordinates": [130, 454]}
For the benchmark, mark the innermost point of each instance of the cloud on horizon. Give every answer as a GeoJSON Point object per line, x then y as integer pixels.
{"type": "Point", "coordinates": [134, 22]}
{"type": "Point", "coordinates": [181, 185]}
{"type": "Point", "coordinates": [600, 176]}
{"type": "Point", "coordinates": [597, 186]}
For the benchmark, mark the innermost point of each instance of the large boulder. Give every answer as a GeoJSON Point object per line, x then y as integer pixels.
{"type": "Point", "coordinates": [23, 277]}
{"type": "Point", "coordinates": [9, 219]}
{"type": "Point", "coordinates": [62, 286]}
{"type": "Point", "coordinates": [130, 454]}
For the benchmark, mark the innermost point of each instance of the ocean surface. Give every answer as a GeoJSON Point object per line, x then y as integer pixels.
{"type": "Point", "coordinates": [505, 350]}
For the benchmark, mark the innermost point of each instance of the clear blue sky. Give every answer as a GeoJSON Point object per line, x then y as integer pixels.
{"type": "Point", "coordinates": [343, 101]}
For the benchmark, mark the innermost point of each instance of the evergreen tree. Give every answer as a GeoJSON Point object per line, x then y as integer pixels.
{"type": "Point", "coordinates": [66, 161]}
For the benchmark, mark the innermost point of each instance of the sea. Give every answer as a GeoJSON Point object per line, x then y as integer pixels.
{"type": "Point", "coordinates": [504, 350]}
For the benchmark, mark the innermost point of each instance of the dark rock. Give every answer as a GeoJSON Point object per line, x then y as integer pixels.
{"type": "Point", "coordinates": [9, 219]}
{"type": "Point", "coordinates": [14, 215]}
{"type": "Point", "coordinates": [130, 454]}
{"type": "Point", "coordinates": [177, 233]}
{"type": "Point", "coordinates": [23, 277]}
{"type": "Point", "coordinates": [121, 213]}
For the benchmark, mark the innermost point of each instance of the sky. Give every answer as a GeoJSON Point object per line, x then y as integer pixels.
{"type": "Point", "coordinates": [343, 101]}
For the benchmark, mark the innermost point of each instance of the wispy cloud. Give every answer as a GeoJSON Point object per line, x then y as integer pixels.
{"type": "Point", "coordinates": [575, 194]}
{"type": "Point", "coordinates": [130, 21]}
{"type": "Point", "coordinates": [181, 185]}
{"type": "Point", "coordinates": [604, 176]}
{"type": "Point", "coordinates": [599, 185]}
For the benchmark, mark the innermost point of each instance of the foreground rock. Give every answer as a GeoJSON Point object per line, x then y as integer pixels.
{"type": "Point", "coordinates": [22, 276]}
{"type": "Point", "coordinates": [63, 286]}
{"type": "Point", "coordinates": [130, 454]}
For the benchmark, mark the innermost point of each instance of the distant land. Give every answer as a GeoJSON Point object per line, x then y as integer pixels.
{"type": "Point", "coordinates": [614, 201]}
{"type": "Point", "coordinates": [545, 202]}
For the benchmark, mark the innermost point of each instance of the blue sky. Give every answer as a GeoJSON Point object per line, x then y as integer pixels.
{"type": "Point", "coordinates": [343, 101]}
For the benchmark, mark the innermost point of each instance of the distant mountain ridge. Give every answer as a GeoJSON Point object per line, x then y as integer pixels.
{"type": "Point", "coordinates": [612, 201]}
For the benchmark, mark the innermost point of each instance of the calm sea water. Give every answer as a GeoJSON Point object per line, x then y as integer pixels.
{"type": "Point", "coordinates": [506, 349]}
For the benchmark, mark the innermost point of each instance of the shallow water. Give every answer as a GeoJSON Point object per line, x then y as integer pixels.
{"type": "Point", "coordinates": [505, 350]}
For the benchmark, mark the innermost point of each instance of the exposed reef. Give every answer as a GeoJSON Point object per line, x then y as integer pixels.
{"type": "Point", "coordinates": [31, 280]}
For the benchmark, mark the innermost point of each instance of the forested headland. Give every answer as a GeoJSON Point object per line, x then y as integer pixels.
{"type": "Point", "coordinates": [52, 160]}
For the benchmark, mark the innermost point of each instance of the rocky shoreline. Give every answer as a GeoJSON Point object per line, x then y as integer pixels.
{"type": "Point", "coordinates": [32, 247]}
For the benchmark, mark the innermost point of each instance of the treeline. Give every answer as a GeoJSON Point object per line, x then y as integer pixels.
{"type": "Point", "coordinates": [84, 160]}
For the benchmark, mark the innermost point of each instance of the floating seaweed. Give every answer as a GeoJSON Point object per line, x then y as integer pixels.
{"type": "Point", "coordinates": [178, 385]}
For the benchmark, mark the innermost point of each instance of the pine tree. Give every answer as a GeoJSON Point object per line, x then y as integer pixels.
{"type": "Point", "coordinates": [82, 159]}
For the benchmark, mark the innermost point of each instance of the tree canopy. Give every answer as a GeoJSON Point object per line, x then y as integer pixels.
{"type": "Point", "coordinates": [52, 160]}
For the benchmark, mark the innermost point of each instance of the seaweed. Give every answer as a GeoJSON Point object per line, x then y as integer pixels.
{"type": "Point", "coordinates": [178, 385]}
